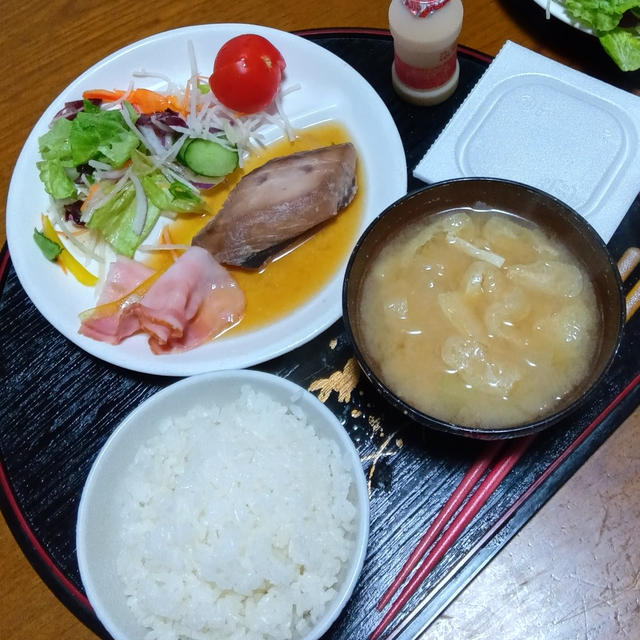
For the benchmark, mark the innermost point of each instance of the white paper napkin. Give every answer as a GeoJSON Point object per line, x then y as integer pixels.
{"type": "Point", "coordinates": [537, 121]}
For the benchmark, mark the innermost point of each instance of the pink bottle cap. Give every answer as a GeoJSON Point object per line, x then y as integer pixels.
{"type": "Point", "coordinates": [422, 8]}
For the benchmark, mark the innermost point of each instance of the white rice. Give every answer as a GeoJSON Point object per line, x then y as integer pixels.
{"type": "Point", "coordinates": [236, 524]}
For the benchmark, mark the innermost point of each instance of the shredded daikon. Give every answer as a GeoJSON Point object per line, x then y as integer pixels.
{"type": "Point", "coordinates": [102, 195]}
{"type": "Point", "coordinates": [127, 118]}
{"type": "Point", "coordinates": [163, 247]}
{"type": "Point", "coordinates": [172, 87]}
{"type": "Point", "coordinates": [123, 97]}
{"type": "Point", "coordinates": [99, 165]}
{"type": "Point", "coordinates": [86, 242]}
{"type": "Point", "coordinates": [170, 154]}
{"type": "Point", "coordinates": [141, 205]}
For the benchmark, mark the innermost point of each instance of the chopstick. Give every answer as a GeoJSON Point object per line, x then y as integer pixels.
{"type": "Point", "coordinates": [628, 262]}
{"type": "Point", "coordinates": [475, 472]}
{"type": "Point", "coordinates": [487, 487]}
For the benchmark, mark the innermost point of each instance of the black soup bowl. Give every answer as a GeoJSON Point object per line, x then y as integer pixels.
{"type": "Point", "coordinates": [532, 206]}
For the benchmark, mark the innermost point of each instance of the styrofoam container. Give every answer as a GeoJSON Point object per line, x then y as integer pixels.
{"type": "Point", "coordinates": [533, 120]}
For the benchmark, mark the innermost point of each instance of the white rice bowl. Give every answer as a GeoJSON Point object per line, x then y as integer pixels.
{"type": "Point", "coordinates": [228, 505]}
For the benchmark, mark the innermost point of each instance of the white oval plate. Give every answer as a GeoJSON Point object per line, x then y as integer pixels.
{"type": "Point", "coordinates": [330, 89]}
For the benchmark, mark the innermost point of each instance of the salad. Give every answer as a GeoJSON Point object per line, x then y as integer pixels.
{"type": "Point", "coordinates": [114, 161]}
{"type": "Point", "coordinates": [616, 23]}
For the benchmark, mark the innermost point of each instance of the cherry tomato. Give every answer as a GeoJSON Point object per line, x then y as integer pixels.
{"type": "Point", "coordinates": [247, 73]}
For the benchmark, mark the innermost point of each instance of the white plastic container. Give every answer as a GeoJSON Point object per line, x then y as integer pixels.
{"type": "Point", "coordinates": [425, 34]}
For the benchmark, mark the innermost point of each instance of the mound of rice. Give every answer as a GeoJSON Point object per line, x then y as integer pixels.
{"type": "Point", "coordinates": [236, 523]}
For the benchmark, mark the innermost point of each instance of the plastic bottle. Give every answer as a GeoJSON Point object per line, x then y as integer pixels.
{"type": "Point", "coordinates": [425, 33]}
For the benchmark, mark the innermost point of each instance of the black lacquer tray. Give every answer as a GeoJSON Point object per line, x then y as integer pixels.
{"type": "Point", "coordinates": [59, 405]}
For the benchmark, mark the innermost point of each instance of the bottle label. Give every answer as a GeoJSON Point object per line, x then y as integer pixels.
{"type": "Point", "coordinates": [429, 77]}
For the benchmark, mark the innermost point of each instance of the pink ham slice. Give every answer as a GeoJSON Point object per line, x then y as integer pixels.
{"type": "Point", "coordinates": [195, 300]}
{"type": "Point", "coordinates": [123, 277]}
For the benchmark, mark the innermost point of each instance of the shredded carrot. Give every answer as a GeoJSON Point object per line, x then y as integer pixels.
{"type": "Point", "coordinates": [92, 192]}
{"type": "Point", "coordinates": [102, 94]}
{"type": "Point", "coordinates": [144, 100]}
{"type": "Point", "coordinates": [65, 259]}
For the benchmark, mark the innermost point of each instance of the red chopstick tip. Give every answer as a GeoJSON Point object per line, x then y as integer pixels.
{"type": "Point", "coordinates": [475, 472]}
{"type": "Point", "coordinates": [382, 625]}
{"type": "Point", "coordinates": [456, 527]}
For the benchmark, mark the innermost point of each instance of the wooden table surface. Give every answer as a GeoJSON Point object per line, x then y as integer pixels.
{"type": "Point", "coordinates": [574, 570]}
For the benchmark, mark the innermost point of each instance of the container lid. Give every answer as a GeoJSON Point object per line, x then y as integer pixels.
{"type": "Point", "coordinates": [534, 120]}
{"type": "Point", "coordinates": [422, 8]}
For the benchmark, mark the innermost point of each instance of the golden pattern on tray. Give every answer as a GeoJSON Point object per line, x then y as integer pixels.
{"type": "Point", "coordinates": [376, 457]}
{"type": "Point", "coordinates": [344, 382]}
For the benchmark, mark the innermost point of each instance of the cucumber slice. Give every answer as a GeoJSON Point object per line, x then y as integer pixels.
{"type": "Point", "coordinates": [208, 158]}
{"type": "Point", "coordinates": [183, 148]}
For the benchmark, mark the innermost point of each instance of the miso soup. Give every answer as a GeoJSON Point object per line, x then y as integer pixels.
{"type": "Point", "coordinates": [479, 318]}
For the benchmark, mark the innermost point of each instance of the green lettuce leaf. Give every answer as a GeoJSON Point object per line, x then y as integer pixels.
{"type": "Point", "coordinates": [92, 134]}
{"type": "Point", "coordinates": [600, 15]}
{"type": "Point", "coordinates": [54, 144]}
{"type": "Point", "coordinates": [90, 107]}
{"type": "Point", "coordinates": [55, 151]}
{"type": "Point", "coordinates": [55, 179]}
{"type": "Point", "coordinates": [114, 220]}
{"type": "Point", "coordinates": [102, 136]}
{"type": "Point", "coordinates": [167, 196]}
{"type": "Point", "coordinates": [623, 45]}
{"type": "Point", "coordinates": [171, 196]}
{"type": "Point", "coordinates": [141, 164]}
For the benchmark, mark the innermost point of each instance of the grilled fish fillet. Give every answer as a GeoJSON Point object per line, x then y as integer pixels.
{"type": "Point", "coordinates": [278, 202]}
